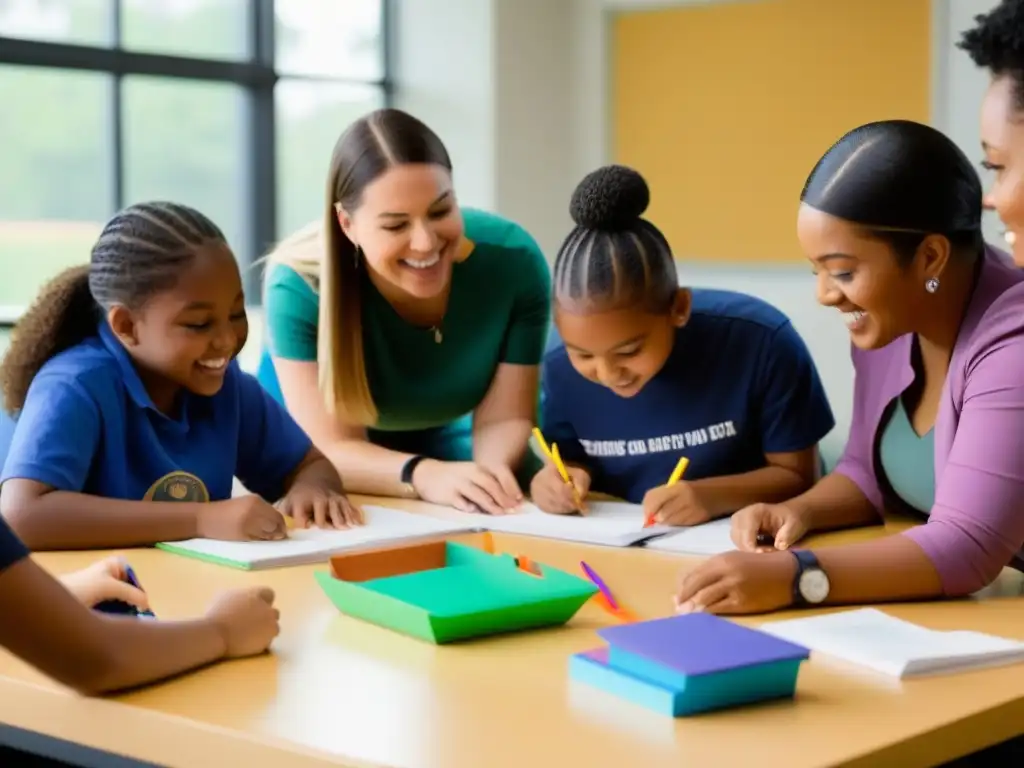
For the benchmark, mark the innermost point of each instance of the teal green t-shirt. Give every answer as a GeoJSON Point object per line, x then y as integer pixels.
{"type": "Point", "coordinates": [908, 460]}
{"type": "Point", "coordinates": [498, 311]}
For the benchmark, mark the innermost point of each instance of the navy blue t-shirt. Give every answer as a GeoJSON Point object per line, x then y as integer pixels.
{"type": "Point", "coordinates": [89, 426]}
{"type": "Point", "coordinates": [739, 383]}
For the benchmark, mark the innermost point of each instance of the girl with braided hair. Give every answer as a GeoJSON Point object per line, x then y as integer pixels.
{"type": "Point", "coordinates": [649, 372]}
{"type": "Point", "coordinates": [133, 416]}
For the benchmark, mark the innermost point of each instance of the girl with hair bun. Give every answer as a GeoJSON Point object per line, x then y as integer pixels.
{"type": "Point", "coordinates": [649, 372]}
{"type": "Point", "coordinates": [891, 220]}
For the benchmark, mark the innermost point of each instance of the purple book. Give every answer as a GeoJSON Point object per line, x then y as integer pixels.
{"type": "Point", "coordinates": [696, 644]}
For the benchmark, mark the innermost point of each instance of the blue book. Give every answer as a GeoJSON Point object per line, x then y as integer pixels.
{"type": "Point", "coordinates": [692, 663]}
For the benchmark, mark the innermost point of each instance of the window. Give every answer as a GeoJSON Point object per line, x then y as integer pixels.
{"type": "Point", "coordinates": [231, 106]}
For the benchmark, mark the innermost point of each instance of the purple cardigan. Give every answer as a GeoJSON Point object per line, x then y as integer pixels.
{"type": "Point", "coordinates": [976, 526]}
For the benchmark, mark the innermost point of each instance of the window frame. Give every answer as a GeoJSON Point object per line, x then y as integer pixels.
{"type": "Point", "coordinates": [257, 74]}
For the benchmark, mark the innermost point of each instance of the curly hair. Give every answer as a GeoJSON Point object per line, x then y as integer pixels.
{"type": "Point", "coordinates": [997, 44]}
{"type": "Point", "coordinates": [139, 253]}
{"type": "Point", "coordinates": [614, 257]}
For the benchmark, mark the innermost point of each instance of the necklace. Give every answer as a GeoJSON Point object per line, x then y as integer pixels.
{"type": "Point", "coordinates": [438, 335]}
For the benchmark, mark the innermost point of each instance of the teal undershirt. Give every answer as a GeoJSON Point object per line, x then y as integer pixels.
{"type": "Point", "coordinates": [908, 460]}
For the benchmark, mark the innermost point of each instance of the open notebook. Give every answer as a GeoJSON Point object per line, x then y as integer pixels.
{"type": "Point", "coordinates": [707, 539]}
{"type": "Point", "coordinates": [609, 523]}
{"type": "Point", "coordinates": [874, 639]}
{"type": "Point", "coordinates": [311, 545]}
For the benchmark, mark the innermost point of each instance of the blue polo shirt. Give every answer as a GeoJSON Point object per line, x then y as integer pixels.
{"type": "Point", "coordinates": [739, 383]}
{"type": "Point", "coordinates": [89, 426]}
{"type": "Point", "coordinates": [11, 548]}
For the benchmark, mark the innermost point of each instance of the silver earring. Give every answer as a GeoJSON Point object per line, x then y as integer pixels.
{"type": "Point", "coordinates": [931, 284]}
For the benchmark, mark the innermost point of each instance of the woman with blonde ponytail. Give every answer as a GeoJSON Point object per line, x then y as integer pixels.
{"type": "Point", "coordinates": [405, 332]}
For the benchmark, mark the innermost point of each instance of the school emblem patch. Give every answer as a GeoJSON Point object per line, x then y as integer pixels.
{"type": "Point", "coordinates": [178, 486]}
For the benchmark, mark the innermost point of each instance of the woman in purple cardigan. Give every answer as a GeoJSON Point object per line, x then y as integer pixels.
{"type": "Point", "coordinates": [891, 222]}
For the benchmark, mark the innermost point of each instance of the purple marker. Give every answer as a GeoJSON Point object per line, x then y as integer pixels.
{"type": "Point", "coordinates": [600, 585]}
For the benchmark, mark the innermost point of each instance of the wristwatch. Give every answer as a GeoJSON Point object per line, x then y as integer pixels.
{"type": "Point", "coordinates": [810, 585]}
{"type": "Point", "coordinates": [407, 469]}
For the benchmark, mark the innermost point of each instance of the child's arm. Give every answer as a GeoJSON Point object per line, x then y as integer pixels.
{"type": "Point", "coordinates": [277, 460]}
{"type": "Point", "coordinates": [47, 518]}
{"type": "Point", "coordinates": [785, 476]}
{"type": "Point", "coordinates": [55, 442]}
{"type": "Point", "coordinates": [47, 627]}
{"type": "Point", "coordinates": [794, 416]}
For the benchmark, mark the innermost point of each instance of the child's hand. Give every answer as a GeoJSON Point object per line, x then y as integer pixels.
{"type": "Point", "coordinates": [247, 620]}
{"type": "Point", "coordinates": [242, 518]}
{"type": "Point", "coordinates": [552, 494]}
{"type": "Point", "coordinates": [104, 580]}
{"type": "Point", "coordinates": [676, 504]}
{"type": "Point", "coordinates": [312, 504]}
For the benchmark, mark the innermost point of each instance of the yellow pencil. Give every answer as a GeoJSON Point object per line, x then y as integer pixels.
{"type": "Point", "coordinates": [543, 443]}
{"type": "Point", "coordinates": [557, 458]}
{"type": "Point", "coordinates": [677, 473]}
{"type": "Point", "coordinates": [675, 477]}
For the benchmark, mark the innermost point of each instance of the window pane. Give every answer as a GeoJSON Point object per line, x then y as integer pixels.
{"type": "Point", "coordinates": [343, 38]}
{"type": "Point", "coordinates": [184, 142]}
{"type": "Point", "coordinates": [85, 22]}
{"type": "Point", "coordinates": [57, 188]}
{"type": "Point", "coordinates": [310, 117]}
{"type": "Point", "coordinates": [213, 29]}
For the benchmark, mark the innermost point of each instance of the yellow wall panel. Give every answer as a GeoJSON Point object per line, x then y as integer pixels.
{"type": "Point", "coordinates": [725, 108]}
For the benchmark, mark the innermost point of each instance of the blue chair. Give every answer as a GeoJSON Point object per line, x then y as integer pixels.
{"type": "Point", "coordinates": [7, 424]}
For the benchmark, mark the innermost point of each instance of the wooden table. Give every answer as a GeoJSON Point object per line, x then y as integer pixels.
{"type": "Point", "coordinates": [337, 691]}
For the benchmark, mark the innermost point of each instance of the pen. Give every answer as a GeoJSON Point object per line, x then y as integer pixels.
{"type": "Point", "coordinates": [675, 477]}
{"type": "Point", "coordinates": [134, 581]}
{"type": "Point", "coordinates": [592, 575]}
{"type": "Point", "coordinates": [604, 597]}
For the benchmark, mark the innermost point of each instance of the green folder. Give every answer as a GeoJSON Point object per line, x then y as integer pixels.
{"type": "Point", "coordinates": [443, 592]}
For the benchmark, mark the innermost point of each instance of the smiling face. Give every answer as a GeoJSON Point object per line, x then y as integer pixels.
{"type": "Point", "coordinates": [1002, 138]}
{"type": "Point", "coordinates": [185, 337]}
{"type": "Point", "coordinates": [879, 298]}
{"type": "Point", "coordinates": [409, 229]}
{"type": "Point", "coordinates": [621, 349]}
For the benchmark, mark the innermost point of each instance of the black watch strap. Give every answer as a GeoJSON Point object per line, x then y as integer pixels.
{"type": "Point", "coordinates": [407, 470]}
{"type": "Point", "coordinates": [805, 560]}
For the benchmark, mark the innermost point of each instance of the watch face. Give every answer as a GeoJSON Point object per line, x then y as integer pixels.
{"type": "Point", "coordinates": [814, 585]}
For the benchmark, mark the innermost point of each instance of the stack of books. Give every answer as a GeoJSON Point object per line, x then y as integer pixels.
{"type": "Point", "coordinates": [689, 664]}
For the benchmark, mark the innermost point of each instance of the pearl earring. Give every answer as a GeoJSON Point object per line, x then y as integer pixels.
{"type": "Point", "coordinates": [931, 284]}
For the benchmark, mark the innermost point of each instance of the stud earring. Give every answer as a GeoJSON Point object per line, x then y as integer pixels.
{"type": "Point", "coordinates": [931, 284]}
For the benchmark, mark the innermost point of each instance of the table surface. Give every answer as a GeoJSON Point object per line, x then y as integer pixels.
{"type": "Point", "coordinates": [337, 691]}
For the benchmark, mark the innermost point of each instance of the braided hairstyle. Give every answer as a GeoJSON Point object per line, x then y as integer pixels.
{"type": "Point", "coordinates": [139, 253]}
{"type": "Point", "coordinates": [997, 44]}
{"type": "Point", "coordinates": [613, 258]}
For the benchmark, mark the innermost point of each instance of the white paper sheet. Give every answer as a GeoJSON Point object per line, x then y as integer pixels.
{"type": "Point", "coordinates": [706, 539]}
{"type": "Point", "coordinates": [311, 545]}
{"type": "Point", "coordinates": [607, 523]}
{"type": "Point", "coordinates": [874, 639]}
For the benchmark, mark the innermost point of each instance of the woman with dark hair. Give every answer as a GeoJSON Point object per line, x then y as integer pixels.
{"type": "Point", "coordinates": [997, 44]}
{"type": "Point", "coordinates": [401, 319]}
{"type": "Point", "coordinates": [891, 220]}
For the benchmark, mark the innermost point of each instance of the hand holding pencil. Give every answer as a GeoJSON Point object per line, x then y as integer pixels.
{"type": "Point", "coordinates": [559, 488]}
{"type": "Point", "coordinates": [675, 503]}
